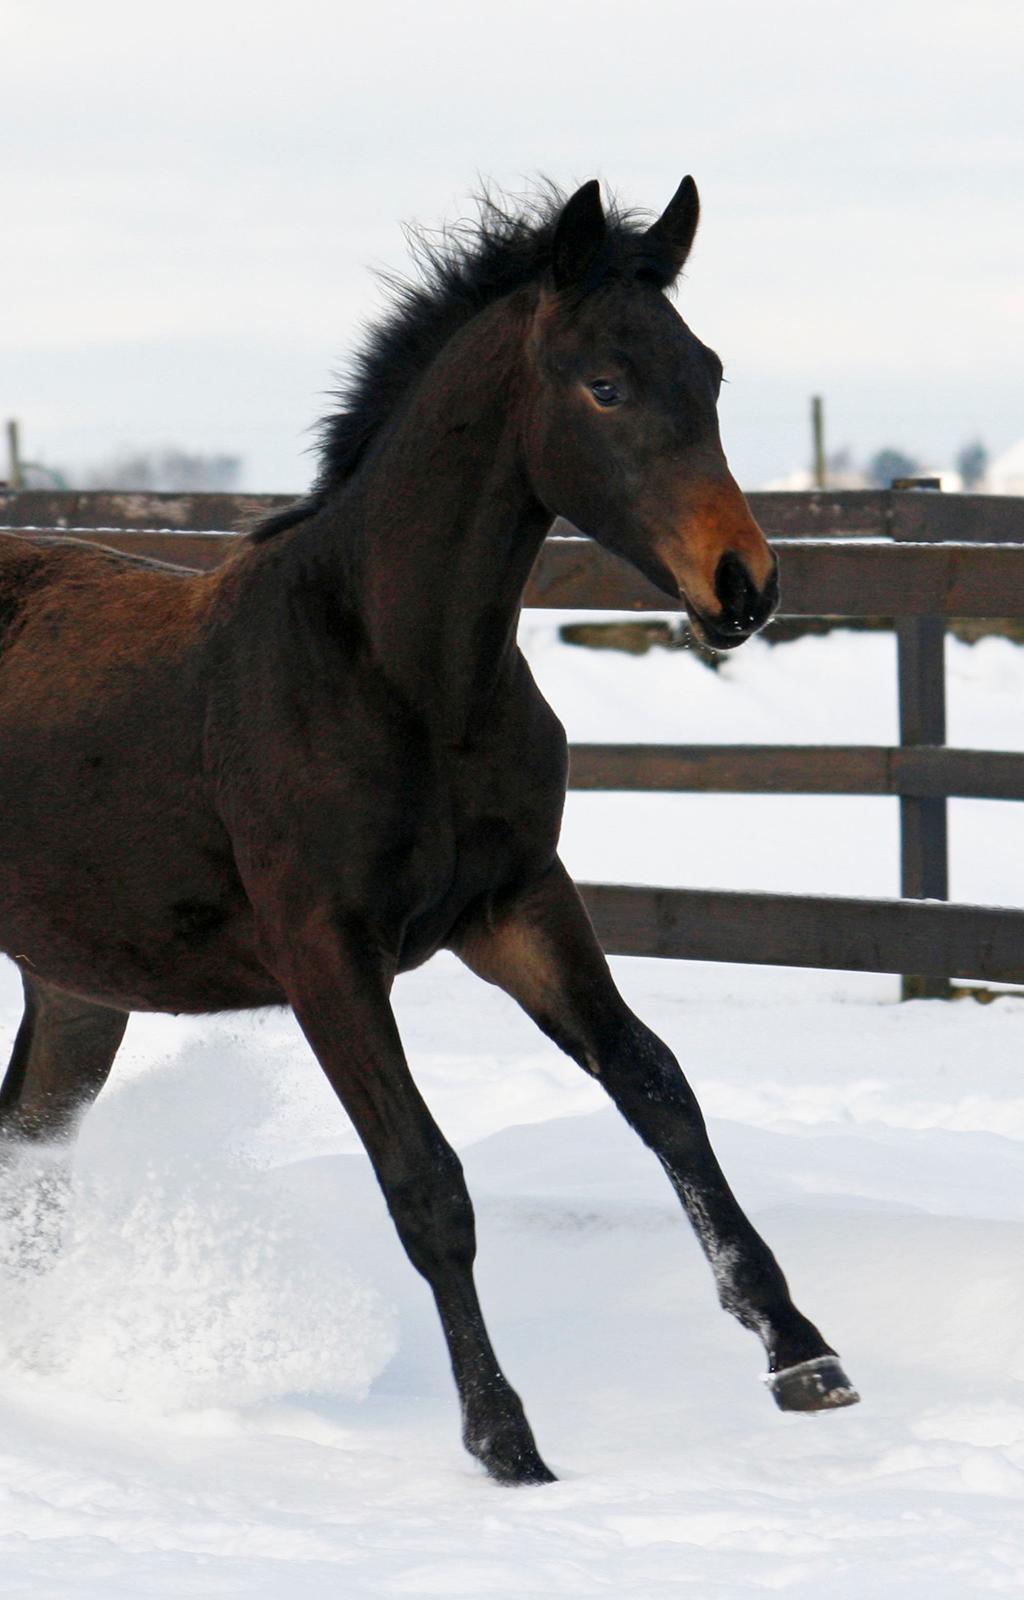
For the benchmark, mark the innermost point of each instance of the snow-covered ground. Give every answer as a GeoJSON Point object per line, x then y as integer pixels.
{"type": "Point", "coordinates": [231, 1383]}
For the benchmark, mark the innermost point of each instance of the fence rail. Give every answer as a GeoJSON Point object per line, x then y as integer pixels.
{"type": "Point", "coordinates": [832, 514]}
{"type": "Point", "coordinates": [819, 577]}
{"type": "Point", "coordinates": [853, 555]}
{"type": "Point", "coordinates": [802, 930]}
{"type": "Point", "coordinates": [925, 771]}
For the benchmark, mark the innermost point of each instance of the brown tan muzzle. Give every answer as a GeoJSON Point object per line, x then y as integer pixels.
{"type": "Point", "coordinates": [728, 574]}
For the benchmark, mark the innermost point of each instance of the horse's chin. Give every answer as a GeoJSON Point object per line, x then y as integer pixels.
{"type": "Point", "coordinates": [714, 637]}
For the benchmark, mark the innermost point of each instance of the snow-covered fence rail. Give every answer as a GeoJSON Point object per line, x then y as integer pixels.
{"type": "Point", "coordinates": [917, 558]}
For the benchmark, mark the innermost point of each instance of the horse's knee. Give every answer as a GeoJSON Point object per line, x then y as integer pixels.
{"type": "Point", "coordinates": [431, 1209]}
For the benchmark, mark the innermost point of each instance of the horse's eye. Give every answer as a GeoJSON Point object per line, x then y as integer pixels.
{"type": "Point", "coordinates": [605, 392]}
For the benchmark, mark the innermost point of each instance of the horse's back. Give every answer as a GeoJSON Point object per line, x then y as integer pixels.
{"type": "Point", "coordinates": [66, 598]}
{"type": "Point", "coordinates": [22, 569]}
{"type": "Point", "coordinates": [97, 647]}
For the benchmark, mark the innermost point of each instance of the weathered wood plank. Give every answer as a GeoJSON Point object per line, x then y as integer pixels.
{"type": "Point", "coordinates": [731, 769]}
{"type": "Point", "coordinates": [960, 518]}
{"type": "Point", "coordinates": [923, 771]}
{"type": "Point", "coordinates": [199, 551]}
{"type": "Point", "coordinates": [924, 827]}
{"type": "Point", "coordinates": [819, 578]}
{"type": "Point", "coordinates": [102, 508]}
{"type": "Point", "coordinates": [817, 513]}
{"type": "Point", "coordinates": [898, 514]}
{"type": "Point", "coordinates": [921, 681]}
{"type": "Point", "coordinates": [935, 939]}
{"type": "Point", "coordinates": [824, 513]}
{"type": "Point", "coordinates": [830, 514]}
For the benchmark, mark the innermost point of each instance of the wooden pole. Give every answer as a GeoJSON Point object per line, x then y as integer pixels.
{"type": "Point", "coordinates": [818, 438]}
{"type": "Point", "coordinates": [15, 476]}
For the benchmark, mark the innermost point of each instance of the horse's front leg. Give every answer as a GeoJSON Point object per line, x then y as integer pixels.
{"type": "Point", "coordinates": [338, 986]}
{"type": "Point", "coordinates": [541, 948]}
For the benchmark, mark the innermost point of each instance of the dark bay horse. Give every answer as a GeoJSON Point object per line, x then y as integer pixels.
{"type": "Point", "coordinates": [288, 780]}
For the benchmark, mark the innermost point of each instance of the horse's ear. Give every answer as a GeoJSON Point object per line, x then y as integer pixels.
{"type": "Point", "coordinates": [678, 222]}
{"type": "Point", "coordinates": [579, 235]}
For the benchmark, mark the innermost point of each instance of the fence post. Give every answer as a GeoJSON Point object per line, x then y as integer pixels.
{"type": "Point", "coordinates": [818, 440]}
{"type": "Point", "coordinates": [924, 837]}
{"type": "Point", "coordinates": [14, 473]}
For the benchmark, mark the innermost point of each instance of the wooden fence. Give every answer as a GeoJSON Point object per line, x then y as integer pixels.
{"type": "Point", "coordinates": [917, 558]}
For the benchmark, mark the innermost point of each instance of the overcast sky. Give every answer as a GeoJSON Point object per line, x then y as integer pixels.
{"type": "Point", "coordinates": [193, 195]}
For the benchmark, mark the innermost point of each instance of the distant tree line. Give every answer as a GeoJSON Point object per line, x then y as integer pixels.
{"type": "Point", "coordinates": [887, 464]}
{"type": "Point", "coordinates": [170, 470]}
{"type": "Point", "coordinates": [174, 470]}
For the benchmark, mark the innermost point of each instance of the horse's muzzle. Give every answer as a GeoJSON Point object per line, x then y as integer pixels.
{"type": "Point", "coordinates": [744, 607]}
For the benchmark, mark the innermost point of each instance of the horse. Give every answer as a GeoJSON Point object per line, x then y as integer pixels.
{"type": "Point", "coordinates": [291, 779]}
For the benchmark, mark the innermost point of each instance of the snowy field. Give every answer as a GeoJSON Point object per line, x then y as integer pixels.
{"type": "Point", "coordinates": [231, 1383]}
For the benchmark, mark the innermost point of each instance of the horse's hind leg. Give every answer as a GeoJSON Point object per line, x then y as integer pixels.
{"type": "Point", "coordinates": [62, 1056]}
{"type": "Point", "coordinates": [542, 950]}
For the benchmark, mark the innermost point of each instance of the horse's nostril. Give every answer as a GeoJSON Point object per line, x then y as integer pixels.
{"type": "Point", "coordinates": [741, 604]}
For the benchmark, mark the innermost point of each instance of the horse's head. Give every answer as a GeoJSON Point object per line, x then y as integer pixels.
{"type": "Point", "coordinates": [622, 429]}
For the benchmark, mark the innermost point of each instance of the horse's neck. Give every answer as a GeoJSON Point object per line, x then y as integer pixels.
{"type": "Point", "coordinates": [444, 528]}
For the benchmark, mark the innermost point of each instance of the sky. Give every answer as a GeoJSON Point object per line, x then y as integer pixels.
{"type": "Point", "coordinates": [195, 198]}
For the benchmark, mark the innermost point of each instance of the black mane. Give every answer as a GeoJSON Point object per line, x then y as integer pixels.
{"type": "Point", "coordinates": [463, 268]}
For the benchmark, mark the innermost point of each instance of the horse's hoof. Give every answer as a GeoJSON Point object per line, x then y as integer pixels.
{"type": "Point", "coordinates": [511, 1459]}
{"type": "Point", "coordinates": [522, 1473]}
{"type": "Point", "coordinates": [816, 1385]}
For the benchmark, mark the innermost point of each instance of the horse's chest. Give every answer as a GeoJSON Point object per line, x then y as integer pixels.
{"type": "Point", "coordinates": [495, 825]}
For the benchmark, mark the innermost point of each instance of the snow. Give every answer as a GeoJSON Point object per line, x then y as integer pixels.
{"type": "Point", "coordinates": [231, 1383]}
